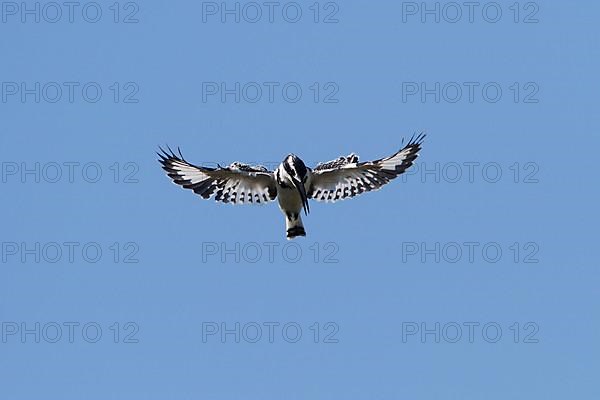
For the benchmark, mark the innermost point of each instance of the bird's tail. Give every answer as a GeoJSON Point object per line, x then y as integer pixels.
{"type": "Point", "coordinates": [293, 226]}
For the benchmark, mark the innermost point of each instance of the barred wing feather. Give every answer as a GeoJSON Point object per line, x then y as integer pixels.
{"type": "Point", "coordinates": [238, 183]}
{"type": "Point", "coordinates": [347, 177]}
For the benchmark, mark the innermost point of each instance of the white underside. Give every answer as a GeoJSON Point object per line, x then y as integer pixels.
{"type": "Point", "coordinates": [290, 202]}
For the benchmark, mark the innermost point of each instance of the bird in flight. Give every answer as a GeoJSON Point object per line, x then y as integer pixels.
{"type": "Point", "coordinates": [292, 183]}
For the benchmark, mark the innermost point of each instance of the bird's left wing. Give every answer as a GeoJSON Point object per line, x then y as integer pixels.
{"type": "Point", "coordinates": [238, 183]}
{"type": "Point", "coordinates": [346, 177]}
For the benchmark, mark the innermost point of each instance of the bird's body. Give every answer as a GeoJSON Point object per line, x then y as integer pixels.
{"type": "Point", "coordinates": [292, 183]}
{"type": "Point", "coordinates": [291, 199]}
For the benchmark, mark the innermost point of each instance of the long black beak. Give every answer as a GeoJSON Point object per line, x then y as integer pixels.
{"type": "Point", "coordinates": [300, 186]}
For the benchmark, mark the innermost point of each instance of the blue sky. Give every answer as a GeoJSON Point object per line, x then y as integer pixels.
{"type": "Point", "coordinates": [473, 276]}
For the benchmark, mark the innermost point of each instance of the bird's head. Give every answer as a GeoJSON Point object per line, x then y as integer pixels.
{"type": "Point", "coordinates": [295, 173]}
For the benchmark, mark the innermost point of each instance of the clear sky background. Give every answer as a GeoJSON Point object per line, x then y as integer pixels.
{"type": "Point", "coordinates": [511, 172]}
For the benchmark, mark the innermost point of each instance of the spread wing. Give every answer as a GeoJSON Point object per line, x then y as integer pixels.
{"type": "Point", "coordinates": [238, 183]}
{"type": "Point", "coordinates": [346, 177]}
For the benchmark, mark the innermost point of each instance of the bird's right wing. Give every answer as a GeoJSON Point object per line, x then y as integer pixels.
{"type": "Point", "coordinates": [346, 177]}
{"type": "Point", "coordinates": [237, 184]}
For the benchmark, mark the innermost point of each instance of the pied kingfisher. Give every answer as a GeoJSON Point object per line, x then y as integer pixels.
{"type": "Point", "coordinates": [293, 183]}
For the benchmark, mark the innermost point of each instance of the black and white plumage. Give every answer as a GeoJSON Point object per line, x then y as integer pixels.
{"type": "Point", "coordinates": [292, 183]}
